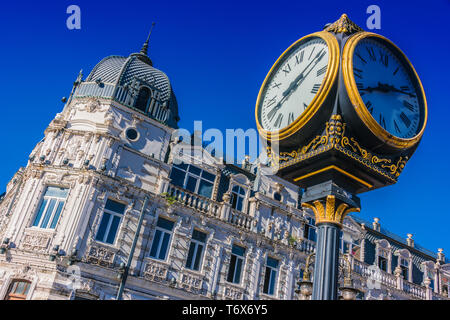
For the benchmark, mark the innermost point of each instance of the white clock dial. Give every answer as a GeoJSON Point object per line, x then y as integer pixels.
{"type": "Point", "coordinates": [294, 82]}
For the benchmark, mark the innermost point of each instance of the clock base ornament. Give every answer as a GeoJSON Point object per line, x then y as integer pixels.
{"type": "Point", "coordinates": [330, 205]}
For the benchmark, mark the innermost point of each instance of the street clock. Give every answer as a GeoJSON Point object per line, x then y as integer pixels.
{"type": "Point", "coordinates": [343, 105]}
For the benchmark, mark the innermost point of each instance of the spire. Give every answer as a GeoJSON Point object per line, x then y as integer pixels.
{"type": "Point", "coordinates": [144, 49]}
{"type": "Point", "coordinates": [343, 25]}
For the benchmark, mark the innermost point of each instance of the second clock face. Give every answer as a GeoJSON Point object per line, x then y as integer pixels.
{"type": "Point", "coordinates": [293, 83]}
{"type": "Point", "coordinates": [387, 87]}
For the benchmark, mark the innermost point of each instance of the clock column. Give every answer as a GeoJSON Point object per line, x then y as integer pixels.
{"type": "Point", "coordinates": [330, 205]}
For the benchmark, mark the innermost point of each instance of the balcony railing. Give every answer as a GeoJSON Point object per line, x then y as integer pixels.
{"type": "Point", "coordinates": [195, 201]}
{"type": "Point", "coordinates": [414, 289]}
{"type": "Point", "coordinates": [240, 219]}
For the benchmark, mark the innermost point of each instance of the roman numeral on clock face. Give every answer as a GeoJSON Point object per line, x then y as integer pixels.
{"type": "Point", "coordinates": [384, 58]}
{"type": "Point", "coordinates": [371, 53]}
{"type": "Point", "coordinates": [321, 70]}
{"type": "Point", "coordinates": [315, 88]}
{"type": "Point", "coordinates": [278, 121]}
{"type": "Point", "coordinates": [358, 72]}
{"type": "Point", "coordinates": [369, 106]}
{"type": "Point", "coordinates": [361, 58]}
{"type": "Point", "coordinates": [299, 57]}
{"type": "Point", "coordinates": [286, 69]}
{"type": "Point", "coordinates": [382, 121]}
{"type": "Point", "coordinates": [408, 105]}
{"type": "Point", "coordinates": [291, 118]}
{"type": "Point", "coordinates": [396, 127]}
{"type": "Point", "coordinates": [405, 119]}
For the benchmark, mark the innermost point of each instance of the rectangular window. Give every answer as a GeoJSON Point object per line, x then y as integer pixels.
{"type": "Point", "coordinates": [192, 179]}
{"type": "Point", "coordinates": [310, 229]}
{"type": "Point", "coordinates": [382, 263]}
{"type": "Point", "coordinates": [109, 225]}
{"type": "Point", "coordinates": [237, 198]}
{"type": "Point", "coordinates": [270, 276]}
{"type": "Point", "coordinates": [404, 266]}
{"type": "Point", "coordinates": [162, 238]}
{"type": "Point", "coordinates": [51, 207]}
{"type": "Point", "coordinates": [236, 264]}
{"type": "Point", "coordinates": [196, 249]}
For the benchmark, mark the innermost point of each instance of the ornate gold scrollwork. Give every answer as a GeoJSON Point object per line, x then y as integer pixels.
{"type": "Point", "coordinates": [344, 25]}
{"type": "Point", "coordinates": [336, 138]}
{"type": "Point", "coordinates": [327, 211]}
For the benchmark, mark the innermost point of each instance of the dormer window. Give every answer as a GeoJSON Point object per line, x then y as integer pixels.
{"type": "Point", "coordinates": [193, 179]}
{"type": "Point", "coordinates": [143, 99]}
{"type": "Point", "coordinates": [404, 265]}
{"type": "Point", "coordinates": [237, 198]}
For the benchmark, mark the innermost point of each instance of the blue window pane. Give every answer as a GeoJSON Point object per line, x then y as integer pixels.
{"type": "Point", "coordinates": [155, 244]}
{"type": "Point", "coordinates": [113, 230]}
{"type": "Point", "coordinates": [272, 282]}
{"type": "Point", "coordinates": [205, 188]}
{"type": "Point", "coordinates": [177, 177]}
{"type": "Point", "coordinates": [48, 213]}
{"type": "Point", "coordinates": [190, 255]}
{"type": "Point", "coordinates": [165, 224]}
{"type": "Point", "coordinates": [182, 166]}
{"type": "Point", "coordinates": [56, 192]}
{"type": "Point", "coordinates": [115, 206]}
{"type": "Point", "coordinates": [194, 170]}
{"type": "Point", "coordinates": [266, 280]}
{"type": "Point", "coordinates": [57, 214]}
{"type": "Point", "coordinates": [235, 189]}
{"type": "Point", "coordinates": [198, 256]}
{"type": "Point", "coordinates": [231, 268]}
{"type": "Point", "coordinates": [39, 214]}
{"type": "Point", "coordinates": [103, 225]}
{"type": "Point", "coordinates": [191, 183]}
{"type": "Point", "coordinates": [164, 246]}
{"type": "Point", "coordinates": [208, 176]}
{"type": "Point", "coordinates": [239, 203]}
{"type": "Point", "coordinates": [199, 236]}
{"type": "Point", "coordinates": [238, 250]}
{"type": "Point", "coordinates": [237, 277]}
{"type": "Point", "coordinates": [272, 262]}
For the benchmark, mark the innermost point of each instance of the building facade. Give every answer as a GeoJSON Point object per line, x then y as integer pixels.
{"type": "Point", "coordinates": [209, 230]}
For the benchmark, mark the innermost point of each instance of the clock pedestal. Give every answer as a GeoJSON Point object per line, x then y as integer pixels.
{"type": "Point", "coordinates": [330, 205]}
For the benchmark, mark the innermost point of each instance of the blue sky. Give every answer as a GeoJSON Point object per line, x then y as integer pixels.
{"type": "Point", "coordinates": [217, 55]}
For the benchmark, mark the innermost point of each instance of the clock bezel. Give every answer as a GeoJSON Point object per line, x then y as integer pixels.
{"type": "Point", "coordinates": [319, 98]}
{"type": "Point", "coordinates": [358, 103]}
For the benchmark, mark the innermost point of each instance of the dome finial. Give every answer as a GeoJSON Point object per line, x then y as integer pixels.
{"type": "Point", "coordinates": [343, 25]}
{"type": "Point", "coordinates": [144, 49]}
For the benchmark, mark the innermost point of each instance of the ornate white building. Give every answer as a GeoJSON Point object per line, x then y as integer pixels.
{"type": "Point", "coordinates": [209, 230]}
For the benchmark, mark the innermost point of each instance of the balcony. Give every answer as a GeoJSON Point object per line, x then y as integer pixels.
{"type": "Point", "coordinates": [195, 201]}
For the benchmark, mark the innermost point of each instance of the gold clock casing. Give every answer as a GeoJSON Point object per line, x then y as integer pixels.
{"type": "Point", "coordinates": [319, 98]}
{"type": "Point", "coordinates": [358, 104]}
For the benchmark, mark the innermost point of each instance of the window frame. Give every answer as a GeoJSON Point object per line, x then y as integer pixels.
{"type": "Point", "coordinates": [12, 283]}
{"type": "Point", "coordinates": [42, 215]}
{"type": "Point", "coordinates": [273, 273]}
{"type": "Point", "coordinates": [310, 225]}
{"type": "Point", "coordinates": [238, 258]}
{"type": "Point", "coordinates": [238, 195]}
{"type": "Point", "coordinates": [198, 178]}
{"type": "Point", "coordinates": [108, 227]}
{"type": "Point", "coordinates": [196, 243]}
{"type": "Point", "coordinates": [163, 231]}
{"type": "Point", "coordinates": [149, 99]}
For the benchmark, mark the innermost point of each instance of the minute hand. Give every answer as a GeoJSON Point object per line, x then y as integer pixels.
{"type": "Point", "coordinates": [294, 84]}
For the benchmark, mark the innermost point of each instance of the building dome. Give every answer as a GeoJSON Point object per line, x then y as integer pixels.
{"type": "Point", "coordinates": [135, 83]}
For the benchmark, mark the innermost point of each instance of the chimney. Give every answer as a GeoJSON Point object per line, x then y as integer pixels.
{"type": "Point", "coordinates": [410, 240]}
{"type": "Point", "coordinates": [376, 224]}
{"type": "Point", "coordinates": [441, 255]}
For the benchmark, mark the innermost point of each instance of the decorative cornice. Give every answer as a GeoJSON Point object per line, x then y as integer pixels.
{"type": "Point", "coordinates": [344, 25]}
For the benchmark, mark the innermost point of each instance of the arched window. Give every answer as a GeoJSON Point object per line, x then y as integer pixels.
{"type": "Point", "coordinates": [142, 99]}
{"type": "Point", "coordinates": [237, 198]}
{"type": "Point", "coordinates": [18, 290]}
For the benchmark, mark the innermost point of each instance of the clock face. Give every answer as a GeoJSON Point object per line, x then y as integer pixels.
{"type": "Point", "coordinates": [292, 84]}
{"type": "Point", "coordinates": [388, 87]}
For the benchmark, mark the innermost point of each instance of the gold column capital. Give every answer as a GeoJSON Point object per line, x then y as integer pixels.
{"type": "Point", "coordinates": [329, 210]}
